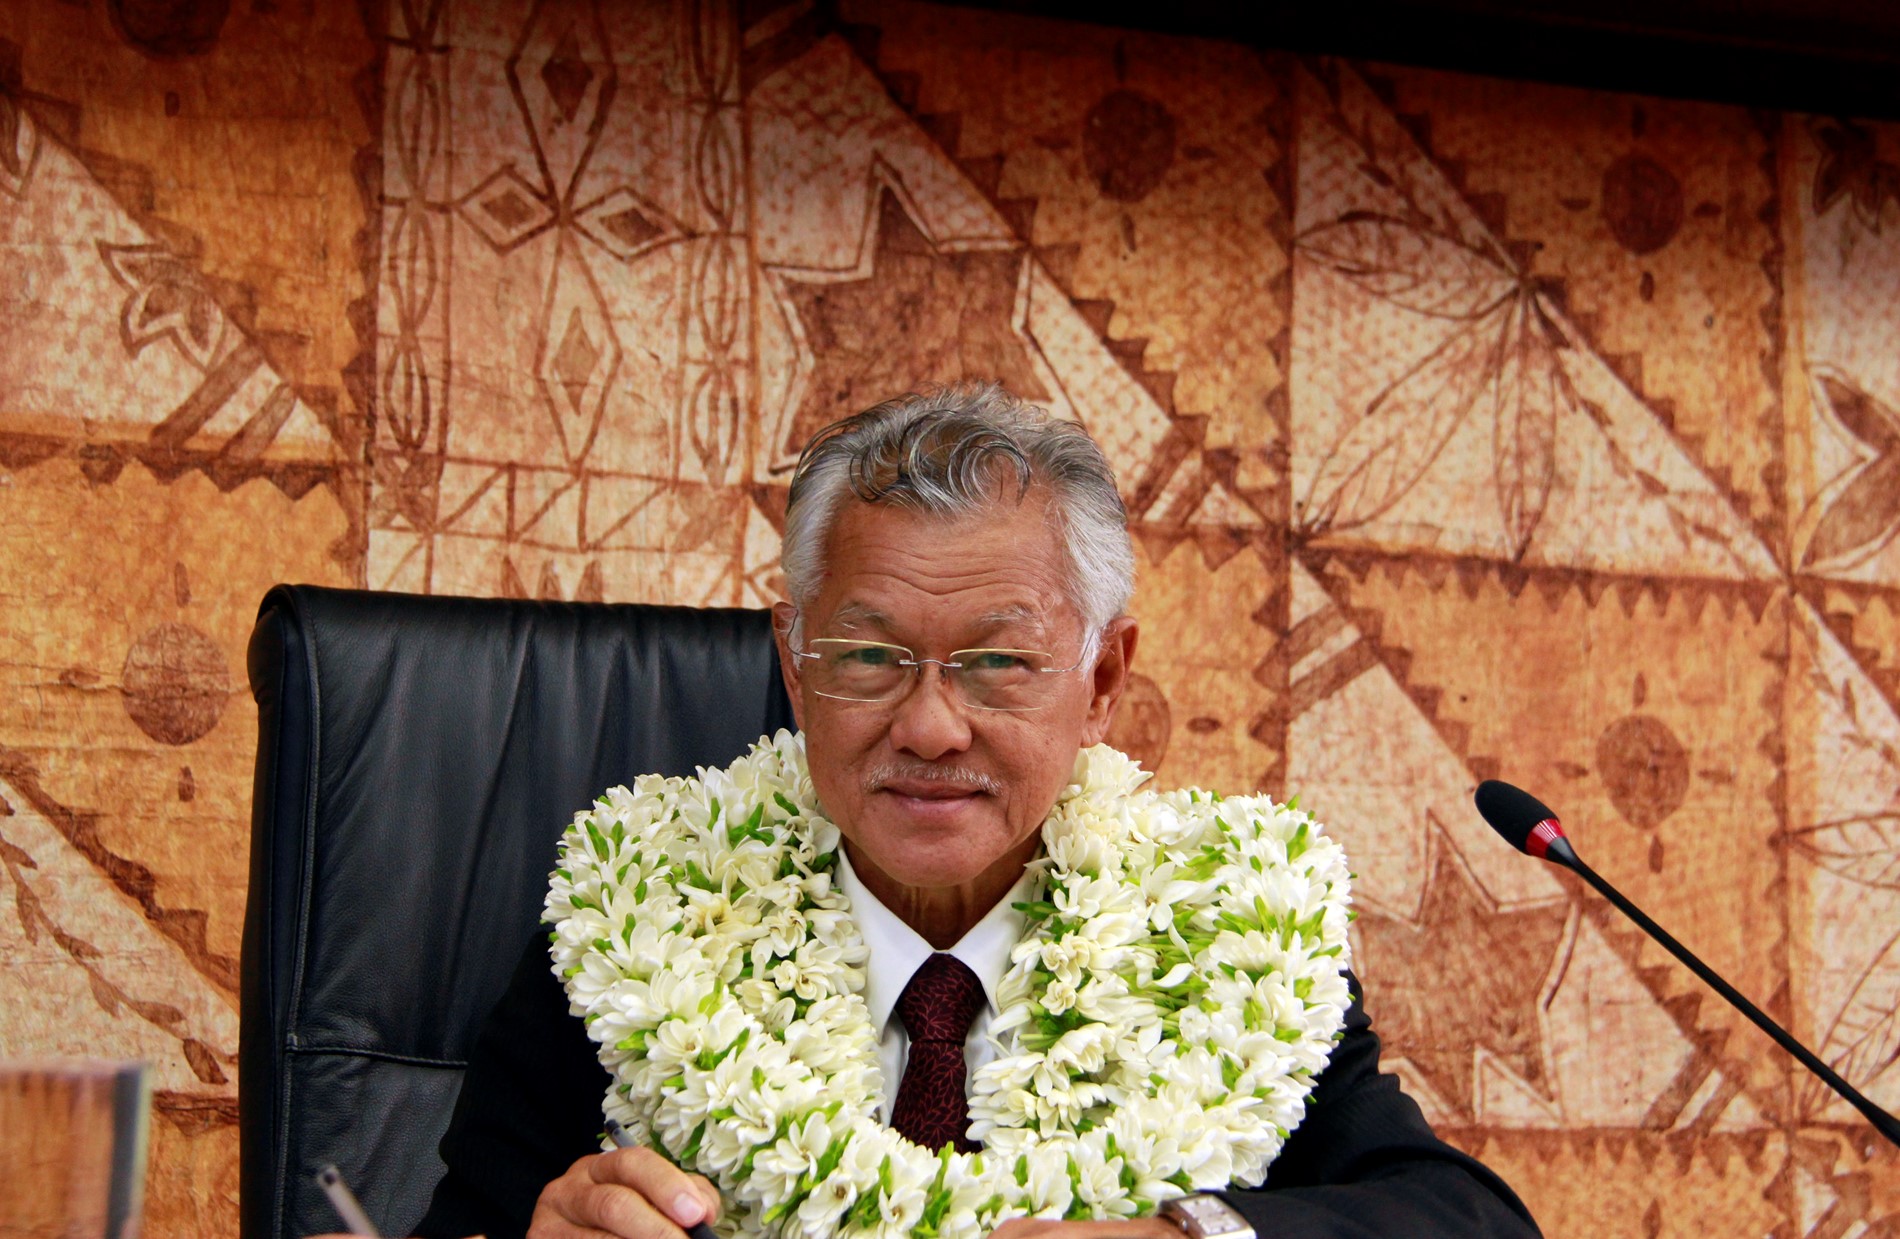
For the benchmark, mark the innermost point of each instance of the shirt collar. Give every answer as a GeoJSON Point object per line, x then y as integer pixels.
{"type": "Point", "coordinates": [897, 951]}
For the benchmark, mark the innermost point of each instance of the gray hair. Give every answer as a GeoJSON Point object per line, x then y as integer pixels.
{"type": "Point", "coordinates": [957, 450]}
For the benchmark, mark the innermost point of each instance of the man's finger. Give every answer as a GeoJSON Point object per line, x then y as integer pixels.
{"type": "Point", "coordinates": [709, 1193]}
{"type": "Point", "coordinates": [623, 1194]}
{"type": "Point", "coordinates": [623, 1211]}
{"type": "Point", "coordinates": [675, 1193]}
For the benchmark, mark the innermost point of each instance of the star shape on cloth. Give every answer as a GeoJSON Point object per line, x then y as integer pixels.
{"type": "Point", "coordinates": [920, 316]}
{"type": "Point", "coordinates": [1465, 976]}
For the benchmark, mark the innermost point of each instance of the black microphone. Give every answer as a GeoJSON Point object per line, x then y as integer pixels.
{"type": "Point", "coordinates": [1528, 825]}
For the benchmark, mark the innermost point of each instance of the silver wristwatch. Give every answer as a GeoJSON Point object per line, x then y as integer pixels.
{"type": "Point", "coordinates": [1206, 1216]}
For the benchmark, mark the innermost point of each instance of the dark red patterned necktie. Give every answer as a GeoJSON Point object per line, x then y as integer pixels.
{"type": "Point", "coordinates": [937, 1007]}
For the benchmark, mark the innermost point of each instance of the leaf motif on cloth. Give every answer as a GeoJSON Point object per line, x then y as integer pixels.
{"type": "Point", "coordinates": [1850, 167]}
{"type": "Point", "coordinates": [1860, 849]}
{"type": "Point", "coordinates": [1505, 356]}
{"type": "Point", "coordinates": [1412, 264]}
{"type": "Point", "coordinates": [1864, 1041]}
{"type": "Point", "coordinates": [1864, 515]}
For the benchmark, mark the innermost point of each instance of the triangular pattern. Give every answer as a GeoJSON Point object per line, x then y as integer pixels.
{"type": "Point", "coordinates": [143, 362]}
{"type": "Point", "coordinates": [93, 971]}
{"type": "Point", "coordinates": [1471, 383]}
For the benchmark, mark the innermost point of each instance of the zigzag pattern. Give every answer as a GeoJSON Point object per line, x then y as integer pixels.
{"type": "Point", "coordinates": [1553, 584]}
{"type": "Point", "coordinates": [133, 188]}
{"type": "Point", "coordinates": [1708, 1026]}
{"type": "Point", "coordinates": [1396, 659]}
{"type": "Point", "coordinates": [1159, 532]}
{"type": "Point", "coordinates": [1878, 661]}
{"type": "Point", "coordinates": [184, 926]}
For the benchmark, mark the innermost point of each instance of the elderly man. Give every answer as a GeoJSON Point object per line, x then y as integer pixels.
{"type": "Point", "coordinates": [959, 571]}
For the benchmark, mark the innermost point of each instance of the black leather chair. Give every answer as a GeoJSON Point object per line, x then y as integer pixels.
{"type": "Point", "coordinates": [417, 760]}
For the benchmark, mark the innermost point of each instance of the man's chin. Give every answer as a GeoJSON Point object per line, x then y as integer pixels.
{"type": "Point", "coordinates": [935, 847]}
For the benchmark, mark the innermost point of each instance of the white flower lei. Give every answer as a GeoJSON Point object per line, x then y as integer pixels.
{"type": "Point", "coordinates": [1178, 989]}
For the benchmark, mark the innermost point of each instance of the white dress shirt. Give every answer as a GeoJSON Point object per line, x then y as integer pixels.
{"type": "Point", "coordinates": [897, 951]}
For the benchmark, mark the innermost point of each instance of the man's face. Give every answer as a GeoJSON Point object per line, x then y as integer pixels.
{"type": "Point", "coordinates": [930, 792]}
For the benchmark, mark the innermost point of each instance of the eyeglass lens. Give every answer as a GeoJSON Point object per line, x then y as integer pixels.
{"type": "Point", "coordinates": [991, 679]}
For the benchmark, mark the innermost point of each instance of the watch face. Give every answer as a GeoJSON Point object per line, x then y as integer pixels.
{"type": "Point", "coordinates": [1209, 1216]}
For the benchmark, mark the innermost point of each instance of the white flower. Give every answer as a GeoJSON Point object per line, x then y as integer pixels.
{"type": "Point", "coordinates": [785, 928]}
{"type": "Point", "coordinates": [1070, 957]}
{"type": "Point", "coordinates": [901, 1201]}
{"type": "Point", "coordinates": [798, 1152]}
{"type": "Point", "coordinates": [1059, 998]}
{"type": "Point", "coordinates": [1099, 1184]}
{"type": "Point", "coordinates": [1083, 1049]}
{"type": "Point", "coordinates": [1081, 851]}
{"type": "Point", "coordinates": [817, 969]}
{"type": "Point", "coordinates": [818, 1214]}
{"type": "Point", "coordinates": [1048, 1190]}
{"type": "Point", "coordinates": [698, 929]}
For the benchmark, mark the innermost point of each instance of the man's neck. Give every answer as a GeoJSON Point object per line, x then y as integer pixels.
{"type": "Point", "coordinates": [942, 915]}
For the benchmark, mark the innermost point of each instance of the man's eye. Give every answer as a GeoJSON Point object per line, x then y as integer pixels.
{"type": "Point", "coordinates": [994, 661]}
{"type": "Point", "coordinates": [868, 657]}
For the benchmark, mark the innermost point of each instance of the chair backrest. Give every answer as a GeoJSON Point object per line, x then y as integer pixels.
{"type": "Point", "coordinates": [417, 760]}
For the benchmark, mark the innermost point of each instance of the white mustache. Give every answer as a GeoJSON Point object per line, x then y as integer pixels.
{"type": "Point", "coordinates": [919, 772]}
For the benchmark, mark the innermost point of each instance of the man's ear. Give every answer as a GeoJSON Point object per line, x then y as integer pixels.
{"type": "Point", "coordinates": [1110, 676]}
{"type": "Point", "coordinates": [784, 615]}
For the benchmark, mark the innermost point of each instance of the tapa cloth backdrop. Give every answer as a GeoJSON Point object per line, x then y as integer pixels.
{"type": "Point", "coordinates": [1467, 428]}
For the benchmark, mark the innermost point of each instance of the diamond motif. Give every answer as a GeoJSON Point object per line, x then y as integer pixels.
{"type": "Point", "coordinates": [625, 224]}
{"type": "Point", "coordinates": [505, 210]}
{"type": "Point", "coordinates": [509, 210]}
{"type": "Point", "coordinates": [575, 360]}
{"type": "Point", "coordinates": [567, 76]}
{"type": "Point", "coordinates": [561, 75]}
{"type": "Point", "coordinates": [631, 227]}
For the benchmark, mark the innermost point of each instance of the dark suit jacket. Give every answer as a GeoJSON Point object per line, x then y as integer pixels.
{"type": "Point", "coordinates": [1363, 1164]}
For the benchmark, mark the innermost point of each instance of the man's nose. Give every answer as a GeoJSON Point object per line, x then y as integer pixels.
{"type": "Point", "coordinates": [931, 719]}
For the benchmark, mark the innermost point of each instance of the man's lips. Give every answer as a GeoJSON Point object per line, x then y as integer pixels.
{"type": "Point", "coordinates": [919, 790]}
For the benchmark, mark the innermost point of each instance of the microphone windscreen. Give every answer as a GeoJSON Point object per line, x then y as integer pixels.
{"type": "Point", "coordinates": [1512, 812]}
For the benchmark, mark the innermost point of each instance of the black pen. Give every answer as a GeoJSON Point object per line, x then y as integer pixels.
{"type": "Point", "coordinates": [622, 1140]}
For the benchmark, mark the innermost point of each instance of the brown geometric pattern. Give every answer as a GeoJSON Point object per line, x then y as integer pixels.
{"type": "Point", "coordinates": [1468, 428]}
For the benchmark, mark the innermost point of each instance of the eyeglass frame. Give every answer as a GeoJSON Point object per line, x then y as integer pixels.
{"type": "Point", "coordinates": [914, 666]}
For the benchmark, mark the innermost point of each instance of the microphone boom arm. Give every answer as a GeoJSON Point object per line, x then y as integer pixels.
{"type": "Point", "coordinates": [1560, 851]}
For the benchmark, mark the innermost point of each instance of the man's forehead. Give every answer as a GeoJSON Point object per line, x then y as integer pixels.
{"type": "Point", "coordinates": [857, 614]}
{"type": "Point", "coordinates": [893, 573]}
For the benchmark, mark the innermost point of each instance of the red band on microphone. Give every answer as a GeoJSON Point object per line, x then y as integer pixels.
{"type": "Point", "coordinates": [1542, 836]}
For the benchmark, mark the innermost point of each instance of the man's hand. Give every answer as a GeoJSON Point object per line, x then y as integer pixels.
{"type": "Point", "coordinates": [1043, 1228]}
{"type": "Point", "coordinates": [629, 1193]}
